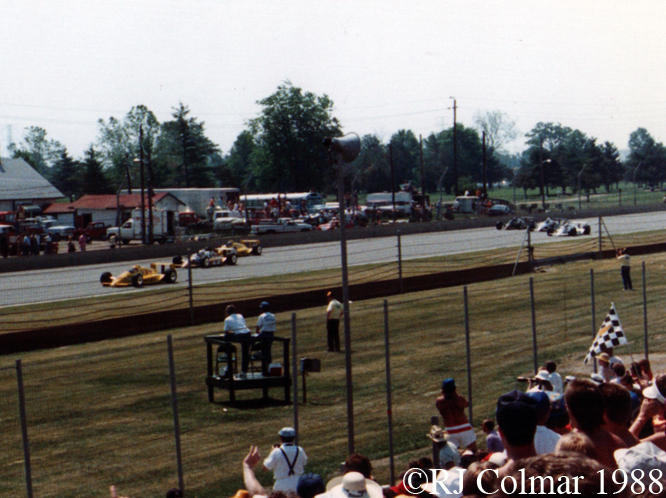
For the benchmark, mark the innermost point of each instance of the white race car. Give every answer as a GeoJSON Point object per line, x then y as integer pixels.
{"type": "Point", "coordinates": [550, 225]}
{"type": "Point", "coordinates": [205, 258]}
{"type": "Point", "coordinates": [572, 229]}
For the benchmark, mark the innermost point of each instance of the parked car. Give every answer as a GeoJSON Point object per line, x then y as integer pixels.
{"type": "Point", "coordinates": [94, 230]}
{"type": "Point", "coordinates": [60, 232]}
{"type": "Point", "coordinates": [499, 210]}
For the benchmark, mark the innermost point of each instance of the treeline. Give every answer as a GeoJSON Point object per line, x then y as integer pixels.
{"type": "Point", "coordinates": [281, 150]}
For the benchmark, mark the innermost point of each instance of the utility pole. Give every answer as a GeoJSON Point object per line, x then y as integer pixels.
{"type": "Point", "coordinates": [143, 198]}
{"type": "Point", "coordinates": [543, 185]}
{"type": "Point", "coordinates": [422, 177]}
{"type": "Point", "coordinates": [485, 176]}
{"type": "Point", "coordinates": [455, 148]}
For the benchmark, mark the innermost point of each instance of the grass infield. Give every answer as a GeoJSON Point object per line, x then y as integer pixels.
{"type": "Point", "coordinates": [100, 414]}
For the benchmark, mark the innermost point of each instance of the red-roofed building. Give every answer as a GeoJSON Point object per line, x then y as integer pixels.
{"type": "Point", "coordinates": [113, 210]}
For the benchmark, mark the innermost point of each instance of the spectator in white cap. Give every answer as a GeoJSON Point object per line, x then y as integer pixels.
{"type": "Point", "coordinates": [644, 456]}
{"type": "Point", "coordinates": [266, 325]}
{"type": "Point", "coordinates": [654, 403]}
{"type": "Point", "coordinates": [287, 461]}
{"type": "Point", "coordinates": [354, 485]}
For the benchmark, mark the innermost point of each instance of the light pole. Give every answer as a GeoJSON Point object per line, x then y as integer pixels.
{"type": "Point", "coordinates": [344, 150]}
{"type": "Point", "coordinates": [439, 187]}
{"type": "Point", "coordinates": [579, 175]}
{"type": "Point", "coordinates": [639, 165]}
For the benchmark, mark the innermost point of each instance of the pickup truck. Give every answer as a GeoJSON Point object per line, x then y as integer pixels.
{"type": "Point", "coordinates": [282, 225]}
{"type": "Point", "coordinates": [94, 230]}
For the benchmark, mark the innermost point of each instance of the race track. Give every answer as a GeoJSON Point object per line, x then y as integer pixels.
{"type": "Point", "coordinates": [67, 283]}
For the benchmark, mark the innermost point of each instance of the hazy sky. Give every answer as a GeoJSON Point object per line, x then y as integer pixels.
{"type": "Point", "coordinates": [598, 66]}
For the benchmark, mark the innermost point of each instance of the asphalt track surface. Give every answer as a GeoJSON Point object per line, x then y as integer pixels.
{"type": "Point", "coordinates": [67, 283]}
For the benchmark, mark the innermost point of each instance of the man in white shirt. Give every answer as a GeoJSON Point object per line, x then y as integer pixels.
{"type": "Point", "coordinates": [554, 377]}
{"type": "Point", "coordinates": [545, 439]}
{"type": "Point", "coordinates": [234, 324]}
{"type": "Point", "coordinates": [266, 325]}
{"type": "Point", "coordinates": [333, 313]}
{"type": "Point", "coordinates": [287, 461]}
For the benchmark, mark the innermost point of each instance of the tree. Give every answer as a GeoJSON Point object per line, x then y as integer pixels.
{"type": "Point", "coordinates": [240, 161]}
{"type": "Point", "coordinates": [185, 149]}
{"type": "Point", "coordinates": [612, 170]}
{"type": "Point", "coordinates": [500, 129]}
{"type": "Point", "coordinates": [288, 135]}
{"type": "Point", "coordinates": [119, 145]}
{"type": "Point", "coordinates": [371, 168]}
{"type": "Point", "coordinates": [647, 158]}
{"type": "Point", "coordinates": [93, 178]}
{"type": "Point", "coordinates": [65, 175]}
{"type": "Point", "coordinates": [38, 151]}
{"type": "Point", "coordinates": [406, 157]}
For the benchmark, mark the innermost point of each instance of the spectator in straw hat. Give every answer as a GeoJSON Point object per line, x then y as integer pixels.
{"type": "Point", "coordinates": [604, 366]}
{"type": "Point", "coordinates": [451, 406]}
{"type": "Point", "coordinates": [354, 485]}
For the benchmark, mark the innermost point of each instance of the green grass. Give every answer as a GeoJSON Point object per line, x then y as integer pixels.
{"type": "Point", "coordinates": [100, 414]}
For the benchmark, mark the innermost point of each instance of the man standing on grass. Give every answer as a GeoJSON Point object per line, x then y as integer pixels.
{"type": "Point", "coordinates": [625, 261]}
{"type": "Point", "coordinates": [451, 406]}
{"type": "Point", "coordinates": [333, 314]}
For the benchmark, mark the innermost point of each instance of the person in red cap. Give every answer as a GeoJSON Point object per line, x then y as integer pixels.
{"type": "Point", "coordinates": [451, 406]}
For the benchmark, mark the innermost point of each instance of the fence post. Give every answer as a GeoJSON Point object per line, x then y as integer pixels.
{"type": "Point", "coordinates": [530, 250]}
{"type": "Point", "coordinates": [600, 241]}
{"type": "Point", "coordinates": [176, 420]}
{"type": "Point", "coordinates": [469, 356]}
{"type": "Point", "coordinates": [294, 373]}
{"type": "Point", "coordinates": [645, 315]}
{"type": "Point", "coordinates": [400, 265]}
{"type": "Point", "coordinates": [389, 403]}
{"type": "Point", "coordinates": [594, 318]}
{"type": "Point", "coordinates": [189, 279]}
{"type": "Point", "coordinates": [534, 330]}
{"type": "Point", "coordinates": [24, 429]}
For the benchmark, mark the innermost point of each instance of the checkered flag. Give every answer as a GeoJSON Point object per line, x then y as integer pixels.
{"type": "Point", "coordinates": [610, 335]}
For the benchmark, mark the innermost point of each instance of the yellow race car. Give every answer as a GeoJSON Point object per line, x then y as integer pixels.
{"type": "Point", "coordinates": [138, 276]}
{"type": "Point", "coordinates": [246, 247]}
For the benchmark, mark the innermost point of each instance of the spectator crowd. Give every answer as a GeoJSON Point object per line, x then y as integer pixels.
{"type": "Point", "coordinates": [605, 434]}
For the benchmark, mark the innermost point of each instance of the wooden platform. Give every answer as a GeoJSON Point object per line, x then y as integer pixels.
{"type": "Point", "coordinates": [254, 380]}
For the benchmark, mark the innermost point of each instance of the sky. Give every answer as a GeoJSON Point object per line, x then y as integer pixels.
{"type": "Point", "coordinates": [597, 66]}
